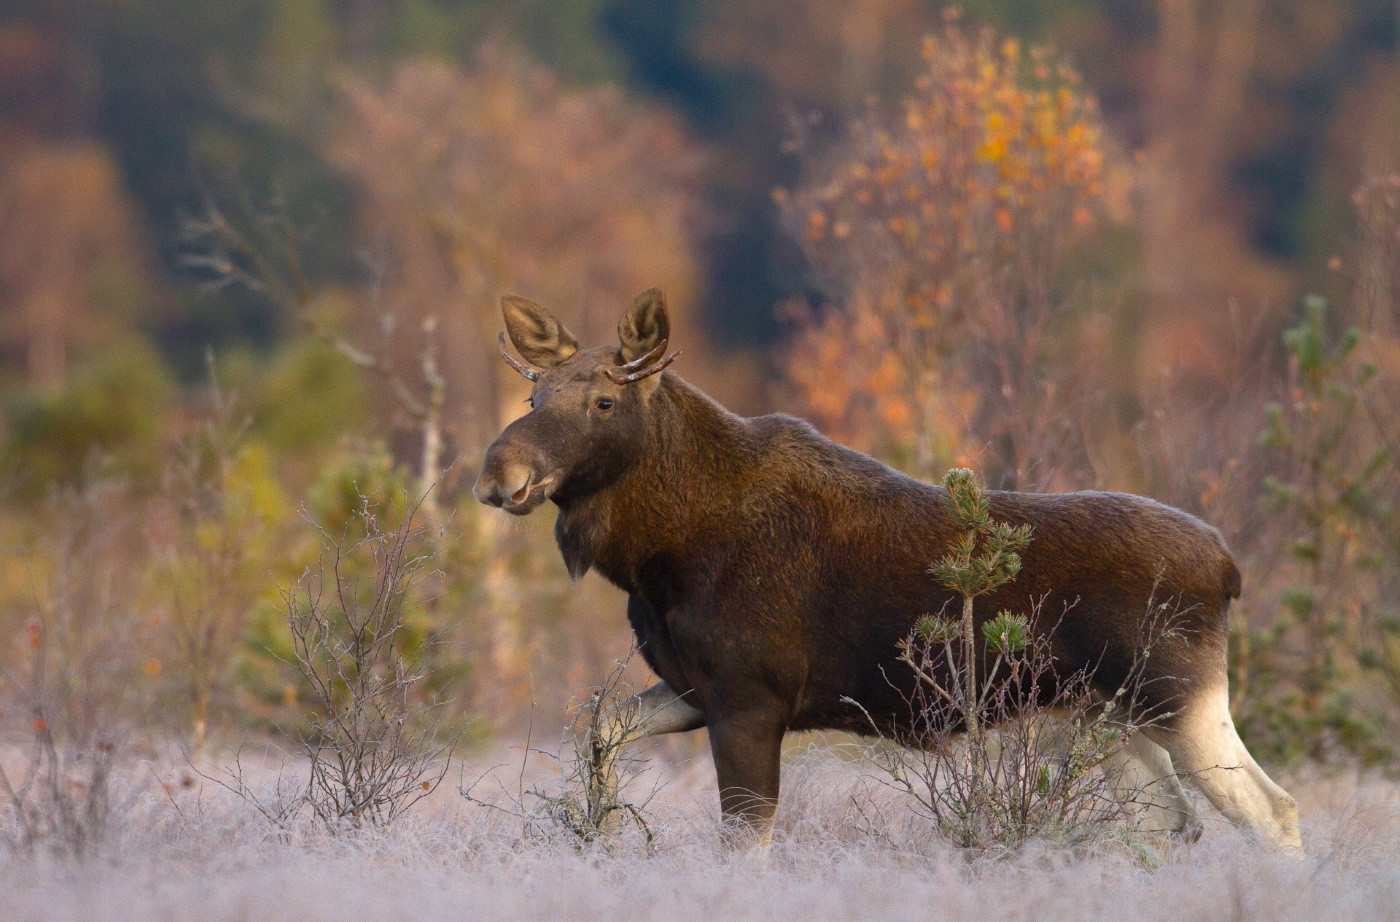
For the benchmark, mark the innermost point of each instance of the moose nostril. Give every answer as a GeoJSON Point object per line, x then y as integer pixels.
{"type": "Point", "coordinates": [504, 484]}
{"type": "Point", "coordinates": [484, 493]}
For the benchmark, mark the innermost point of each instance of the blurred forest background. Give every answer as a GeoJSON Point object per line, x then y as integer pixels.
{"type": "Point", "coordinates": [251, 253]}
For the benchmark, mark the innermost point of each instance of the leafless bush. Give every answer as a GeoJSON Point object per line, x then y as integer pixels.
{"type": "Point", "coordinates": [373, 745]}
{"type": "Point", "coordinates": [72, 690]}
{"type": "Point", "coordinates": [374, 742]}
{"type": "Point", "coordinates": [589, 806]}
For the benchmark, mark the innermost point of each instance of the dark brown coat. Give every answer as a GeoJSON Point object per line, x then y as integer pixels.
{"type": "Point", "coordinates": [771, 572]}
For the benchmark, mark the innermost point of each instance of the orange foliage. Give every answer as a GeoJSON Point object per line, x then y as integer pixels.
{"type": "Point", "coordinates": [939, 236]}
{"type": "Point", "coordinates": [71, 265]}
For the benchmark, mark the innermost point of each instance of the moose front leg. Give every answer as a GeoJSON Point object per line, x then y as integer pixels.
{"type": "Point", "coordinates": [654, 712]}
{"type": "Point", "coordinates": [747, 749]}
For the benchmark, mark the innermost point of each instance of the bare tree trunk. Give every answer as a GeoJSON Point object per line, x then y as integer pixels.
{"type": "Point", "coordinates": [430, 469]}
{"type": "Point", "coordinates": [972, 698]}
{"type": "Point", "coordinates": [46, 352]}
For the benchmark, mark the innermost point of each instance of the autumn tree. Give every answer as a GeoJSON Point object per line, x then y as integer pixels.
{"type": "Point", "coordinates": [72, 273]}
{"type": "Point", "coordinates": [939, 234]}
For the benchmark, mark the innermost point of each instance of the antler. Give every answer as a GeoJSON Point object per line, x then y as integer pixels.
{"type": "Point", "coordinates": [637, 369]}
{"type": "Point", "coordinates": [531, 373]}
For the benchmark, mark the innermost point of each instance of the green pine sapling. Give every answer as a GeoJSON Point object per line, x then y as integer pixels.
{"type": "Point", "coordinates": [986, 557]}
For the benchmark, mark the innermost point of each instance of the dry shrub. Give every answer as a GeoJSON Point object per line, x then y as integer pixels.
{"type": "Point", "coordinates": [72, 695]}
{"type": "Point", "coordinates": [940, 235]}
{"type": "Point", "coordinates": [373, 745]}
{"type": "Point", "coordinates": [590, 805]}
{"type": "Point", "coordinates": [373, 738]}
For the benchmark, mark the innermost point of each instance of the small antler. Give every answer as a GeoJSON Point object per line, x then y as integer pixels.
{"type": "Point", "coordinates": [639, 368]}
{"type": "Point", "coordinates": [532, 374]}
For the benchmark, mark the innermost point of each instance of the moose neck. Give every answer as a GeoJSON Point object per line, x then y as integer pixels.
{"type": "Point", "coordinates": [695, 452]}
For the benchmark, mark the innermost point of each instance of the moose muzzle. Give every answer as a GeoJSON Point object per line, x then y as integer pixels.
{"type": "Point", "coordinates": [511, 482]}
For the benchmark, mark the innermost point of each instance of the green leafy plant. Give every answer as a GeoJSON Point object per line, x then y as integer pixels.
{"type": "Point", "coordinates": [985, 558]}
{"type": "Point", "coordinates": [1304, 675]}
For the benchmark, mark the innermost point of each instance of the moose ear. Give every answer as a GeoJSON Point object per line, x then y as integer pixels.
{"type": "Point", "coordinates": [537, 334]}
{"type": "Point", "coordinates": [644, 325]}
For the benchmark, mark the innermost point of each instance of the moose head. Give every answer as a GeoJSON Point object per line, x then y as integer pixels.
{"type": "Point", "coordinates": [588, 407]}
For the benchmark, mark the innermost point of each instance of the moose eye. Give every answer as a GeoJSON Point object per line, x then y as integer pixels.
{"type": "Point", "coordinates": [604, 403]}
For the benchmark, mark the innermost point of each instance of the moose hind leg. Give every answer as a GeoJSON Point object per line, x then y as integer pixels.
{"type": "Point", "coordinates": [1204, 741]}
{"type": "Point", "coordinates": [1142, 776]}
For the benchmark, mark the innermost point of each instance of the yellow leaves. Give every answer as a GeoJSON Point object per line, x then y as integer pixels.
{"type": "Point", "coordinates": [1065, 99]}
{"type": "Point", "coordinates": [992, 150]}
{"type": "Point", "coordinates": [986, 151]}
{"type": "Point", "coordinates": [896, 413]}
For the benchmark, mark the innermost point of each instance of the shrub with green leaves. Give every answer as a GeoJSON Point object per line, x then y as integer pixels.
{"type": "Point", "coordinates": [1324, 676]}
{"type": "Point", "coordinates": [114, 408]}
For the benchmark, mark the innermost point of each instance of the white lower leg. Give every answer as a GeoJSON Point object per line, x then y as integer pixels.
{"type": "Point", "coordinates": [1210, 751]}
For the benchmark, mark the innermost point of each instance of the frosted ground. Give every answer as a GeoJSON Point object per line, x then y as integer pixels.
{"type": "Point", "coordinates": [196, 853]}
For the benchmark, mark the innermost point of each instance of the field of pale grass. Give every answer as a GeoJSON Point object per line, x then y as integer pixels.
{"type": "Point", "coordinates": [188, 850]}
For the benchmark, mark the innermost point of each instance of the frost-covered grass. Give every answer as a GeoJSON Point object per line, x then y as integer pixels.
{"type": "Point", "coordinates": [198, 853]}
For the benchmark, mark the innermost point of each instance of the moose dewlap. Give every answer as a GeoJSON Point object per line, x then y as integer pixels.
{"type": "Point", "coordinates": [771, 573]}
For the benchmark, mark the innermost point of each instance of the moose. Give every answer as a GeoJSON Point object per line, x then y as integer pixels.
{"type": "Point", "coordinates": [771, 573]}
